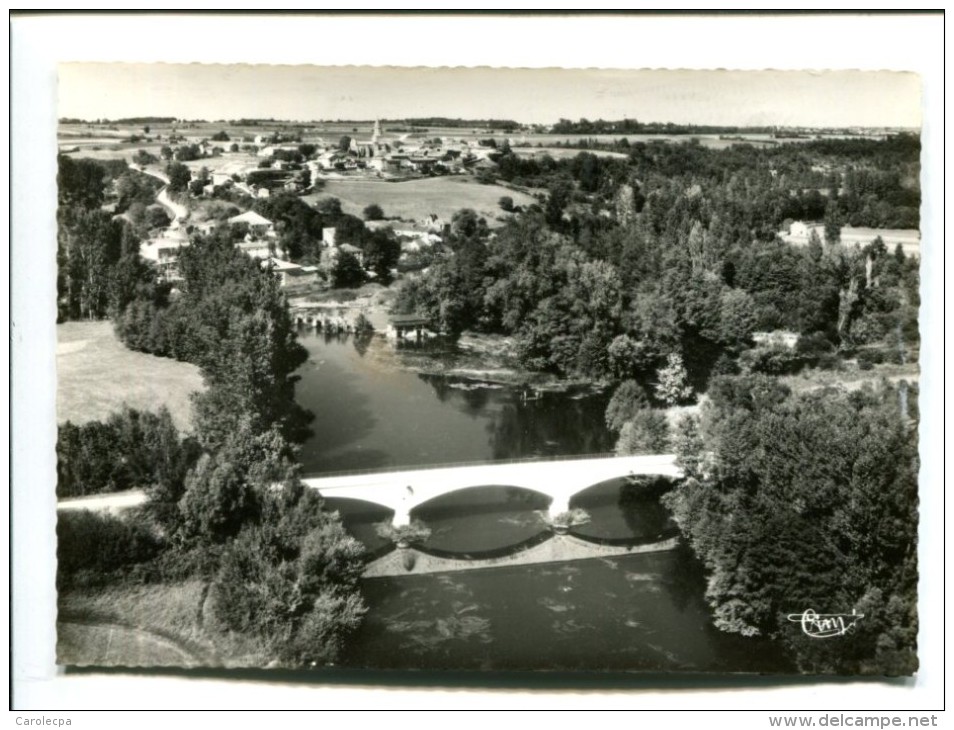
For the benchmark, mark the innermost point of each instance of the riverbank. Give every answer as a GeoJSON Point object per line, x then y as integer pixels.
{"type": "Point", "coordinates": [557, 549]}
{"type": "Point", "coordinates": [477, 358]}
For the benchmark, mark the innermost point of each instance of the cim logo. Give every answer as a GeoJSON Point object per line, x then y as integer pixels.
{"type": "Point", "coordinates": [825, 625]}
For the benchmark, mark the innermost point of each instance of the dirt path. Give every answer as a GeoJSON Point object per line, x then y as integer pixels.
{"type": "Point", "coordinates": [112, 502]}
{"type": "Point", "coordinates": [81, 643]}
{"type": "Point", "coordinates": [179, 212]}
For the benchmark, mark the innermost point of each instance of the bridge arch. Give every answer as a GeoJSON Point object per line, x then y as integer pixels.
{"type": "Point", "coordinates": [526, 494]}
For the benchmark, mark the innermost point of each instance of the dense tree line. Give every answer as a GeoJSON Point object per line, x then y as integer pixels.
{"type": "Point", "coordinates": [131, 449]}
{"type": "Point", "coordinates": [230, 317]}
{"type": "Point", "coordinates": [634, 126]}
{"type": "Point", "coordinates": [809, 501]}
{"type": "Point", "coordinates": [99, 235]}
{"type": "Point", "coordinates": [90, 240]}
{"type": "Point", "coordinates": [673, 250]}
{"type": "Point", "coordinates": [225, 505]}
{"type": "Point", "coordinates": [504, 124]}
{"type": "Point", "coordinates": [872, 183]}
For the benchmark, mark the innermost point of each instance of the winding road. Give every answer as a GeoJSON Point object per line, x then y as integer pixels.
{"type": "Point", "coordinates": [178, 211]}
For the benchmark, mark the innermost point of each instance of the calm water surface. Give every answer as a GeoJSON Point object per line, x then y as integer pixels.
{"type": "Point", "coordinates": [635, 612]}
{"type": "Point", "coordinates": [372, 413]}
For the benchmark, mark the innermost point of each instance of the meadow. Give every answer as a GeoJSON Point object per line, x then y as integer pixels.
{"type": "Point", "coordinates": [414, 199]}
{"type": "Point", "coordinates": [159, 624]}
{"type": "Point", "coordinates": [96, 375]}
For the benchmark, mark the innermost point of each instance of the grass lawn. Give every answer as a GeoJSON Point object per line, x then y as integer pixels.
{"type": "Point", "coordinates": [146, 625]}
{"type": "Point", "coordinates": [96, 374]}
{"type": "Point", "coordinates": [414, 199]}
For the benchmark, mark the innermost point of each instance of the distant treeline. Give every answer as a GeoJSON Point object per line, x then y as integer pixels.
{"type": "Point", "coordinates": [564, 126]}
{"type": "Point", "coordinates": [506, 124]}
{"type": "Point", "coordinates": [633, 126]}
{"type": "Point", "coordinates": [125, 120]}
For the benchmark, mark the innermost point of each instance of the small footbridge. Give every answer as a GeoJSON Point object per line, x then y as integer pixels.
{"type": "Point", "coordinates": [558, 479]}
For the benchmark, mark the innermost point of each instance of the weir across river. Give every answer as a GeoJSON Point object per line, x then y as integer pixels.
{"type": "Point", "coordinates": [560, 480]}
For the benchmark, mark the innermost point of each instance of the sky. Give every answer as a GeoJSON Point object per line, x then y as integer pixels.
{"type": "Point", "coordinates": [303, 93]}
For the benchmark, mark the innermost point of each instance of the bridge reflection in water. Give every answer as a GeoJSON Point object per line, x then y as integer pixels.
{"type": "Point", "coordinates": [559, 479]}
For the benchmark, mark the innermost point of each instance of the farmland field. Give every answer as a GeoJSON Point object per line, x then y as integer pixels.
{"type": "Point", "coordinates": [97, 374]}
{"type": "Point", "coordinates": [415, 199]}
{"type": "Point", "coordinates": [562, 153]}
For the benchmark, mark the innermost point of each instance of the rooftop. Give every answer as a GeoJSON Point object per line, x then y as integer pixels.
{"type": "Point", "coordinates": [252, 218]}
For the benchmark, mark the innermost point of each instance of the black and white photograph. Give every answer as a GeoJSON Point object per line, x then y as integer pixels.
{"type": "Point", "coordinates": [488, 369]}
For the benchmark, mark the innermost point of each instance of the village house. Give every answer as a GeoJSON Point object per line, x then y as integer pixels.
{"type": "Point", "coordinates": [258, 226]}
{"type": "Point", "coordinates": [353, 250]}
{"type": "Point", "coordinates": [206, 227]}
{"type": "Point", "coordinates": [799, 229]}
{"type": "Point", "coordinates": [257, 249]}
{"type": "Point", "coordinates": [164, 251]}
{"type": "Point", "coordinates": [291, 275]}
{"type": "Point", "coordinates": [433, 222]}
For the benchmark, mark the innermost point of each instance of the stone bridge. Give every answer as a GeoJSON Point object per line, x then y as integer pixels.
{"type": "Point", "coordinates": [402, 491]}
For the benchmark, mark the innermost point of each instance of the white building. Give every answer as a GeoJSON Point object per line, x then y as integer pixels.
{"type": "Point", "coordinates": [258, 226]}
{"type": "Point", "coordinates": [257, 248]}
{"type": "Point", "coordinates": [291, 274]}
{"type": "Point", "coordinates": [799, 228]}
{"type": "Point", "coordinates": [164, 251]}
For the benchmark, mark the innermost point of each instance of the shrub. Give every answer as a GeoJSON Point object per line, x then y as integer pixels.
{"type": "Point", "coordinates": [94, 548]}
{"type": "Point", "coordinates": [673, 381]}
{"type": "Point", "coordinates": [771, 360]}
{"type": "Point", "coordinates": [292, 582]}
{"type": "Point", "coordinates": [724, 365]}
{"type": "Point", "coordinates": [813, 344]}
{"type": "Point", "coordinates": [373, 212]}
{"type": "Point", "coordinates": [647, 432]}
{"type": "Point", "coordinates": [416, 531]}
{"type": "Point", "coordinates": [829, 361]}
{"type": "Point", "coordinates": [362, 324]}
{"type": "Point", "coordinates": [627, 400]}
{"type": "Point", "coordinates": [571, 518]}
{"type": "Point", "coordinates": [131, 449]}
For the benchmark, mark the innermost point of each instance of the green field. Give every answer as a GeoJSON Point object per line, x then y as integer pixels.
{"type": "Point", "coordinates": [146, 625]}
{"type": "Point", "coordinates": [96, 374]}
{"type": "Point", "coordinates": [414, 199]}
{"type": "Point", "coordinates": [563, 153]}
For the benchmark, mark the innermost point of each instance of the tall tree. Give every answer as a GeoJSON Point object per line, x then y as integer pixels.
{"type": "Point", "coordinates": [807, 501]}
{"type": "Point", "coordinates": [179, 177]}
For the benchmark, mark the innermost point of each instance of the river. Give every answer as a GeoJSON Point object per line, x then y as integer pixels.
{"type": "Point", "coordinates": [371, 412]}
{"type": "Point", "coordinates": [642, 612]}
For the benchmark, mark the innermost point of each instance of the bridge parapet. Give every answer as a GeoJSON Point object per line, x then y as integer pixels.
{"type": "Point", "coordinates": [402, 491]}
